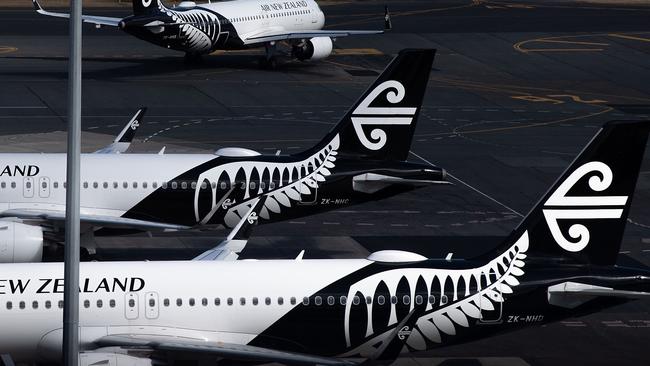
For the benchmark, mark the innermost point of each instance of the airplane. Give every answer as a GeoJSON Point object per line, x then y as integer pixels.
{"type": "Point", "coordinates": [558, 263]}
{"type": "Point", "coordinates": [198, 29]}
{"type": "Point", "coordinates": [362, 158]}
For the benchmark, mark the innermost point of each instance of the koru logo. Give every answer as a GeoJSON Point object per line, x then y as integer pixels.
{"type": "Point", "coordinates": [227, 203]}
{"type": "Point", "coordinates": [252, 218]}
{"type": "Point", "coordinates": [135, 125]}
{"type": "Point", "coordinates": [404, 333]}
{"type": "Point", "coordinates": [574, 207]}
{"type": "Point", "coordinates": [366, 115]}
{"type": "Point", "coordinates": [146, 3]}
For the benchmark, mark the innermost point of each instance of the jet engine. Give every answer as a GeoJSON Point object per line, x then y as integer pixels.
{"type": "Point", "coordinates": [316, 48]}
{"type": "Point", "coordinates": [20, 243]}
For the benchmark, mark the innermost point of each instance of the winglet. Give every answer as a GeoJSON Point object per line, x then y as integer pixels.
{"type": "Point", "coordinates": [229, 249]}
{"type": "Point", "coordinates": [123, 141]}
{"type": "Point", "coordinates": [37, 6]}
{"type": "Point", "coordinates": [388, 24]}
{"type": "Point", "coordinates": [129, 130]}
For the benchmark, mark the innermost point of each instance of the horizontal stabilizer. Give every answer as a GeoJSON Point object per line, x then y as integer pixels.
{"type": "Point", "coordinates": [97, 20]}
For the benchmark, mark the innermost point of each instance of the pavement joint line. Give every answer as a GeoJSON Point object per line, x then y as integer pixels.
{"type": "Point", "coordinates": [297, 222]}
{"type": "Point", "coordinates": [331, 223]}
{"type": "Point", "coordinates": [364, 224]}
{"type": "Point", "coordinates": [471, 187]}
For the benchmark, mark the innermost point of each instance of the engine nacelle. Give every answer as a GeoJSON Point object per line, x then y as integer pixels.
{"type": "Point", "coordinates": [20, 243]}
{"type": "Point", "coordinates": [316, 48]}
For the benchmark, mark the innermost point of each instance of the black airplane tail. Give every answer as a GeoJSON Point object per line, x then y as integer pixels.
{"type": "Point", "coordinates": [142, 7]}
{"type": "Point", "coordinates": [581, 219]}
{"type": "Point", "coordinates": [381, 123]}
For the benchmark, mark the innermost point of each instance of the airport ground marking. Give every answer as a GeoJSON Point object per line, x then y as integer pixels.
{"type": "Point", "coordinates": [7, 49]}
{"type": "Point", "coordinates": [625, 36]}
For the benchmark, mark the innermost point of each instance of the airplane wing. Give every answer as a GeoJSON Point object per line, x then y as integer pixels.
{"type": "Point", "coordinates": [108, 21]}
{"type": "Point", "coordinates": [95, 220]}
{"type": "Point", "coordinates": [238, 352]}
{"type": "Point", "coordinates": [123, 141]}
{"type": "Point", "coordinates": [283, 36]}
{"type": "Point", "coordinates": [229, 249]}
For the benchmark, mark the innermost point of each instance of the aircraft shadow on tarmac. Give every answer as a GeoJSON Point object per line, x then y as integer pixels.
{"type": "Point", "coordinates": [168, 66]}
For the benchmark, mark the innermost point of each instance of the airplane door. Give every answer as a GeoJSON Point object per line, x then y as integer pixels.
{"type": "Point", "coordinates": [151, 305]}
{"type": "Point", "coordinates": [495, 299]}
{"type": "Point", "coordinates": [44, 187]}
{"type": "Point", "coordinates": [28, 187]}
{"type": "Point", "coordinates": [131, 306]}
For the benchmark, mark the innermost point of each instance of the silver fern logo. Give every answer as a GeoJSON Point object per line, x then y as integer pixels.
{"type": "Point", "coordinates": [599, 207]}
{"type": "Point", "coordinates": [284, 184]}
{"type": "Point", "coordinates": [364, 114]}
{"type": "Point", "coordinates": [464, 304]}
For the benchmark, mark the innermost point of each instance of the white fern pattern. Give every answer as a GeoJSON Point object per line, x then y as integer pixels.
{"type": "Point", "coordinates": [457, 313]}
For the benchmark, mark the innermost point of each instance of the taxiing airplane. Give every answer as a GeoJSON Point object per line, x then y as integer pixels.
{"type": "Point", "coordinates": [198, 29]}
{"type": "Point", "coordinates": [559, 262]}
{"type": "Point", "coordinates": [362, 158]}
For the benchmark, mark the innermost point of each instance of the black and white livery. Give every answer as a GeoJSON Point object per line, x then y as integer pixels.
{"type": "Point", "coordinates": [362, 158]}
{"type": "Point", "coordinates": [559, 262]}
{"type": "Point", "coordinates": [198, 29]}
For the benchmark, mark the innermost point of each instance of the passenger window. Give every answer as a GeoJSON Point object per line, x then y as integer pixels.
{"type": "Point", "coordinates": [174, 185]}
{"type": "Point", "coordinates": [164, 185]}
{"type": "Point", "coordinates": [135, 184]}
{"type": "Point", "coordinates": [222, 185]}
{"type": "Point", "coordinates": [85, 184]}
{"type": "Point", "coordinates": [125, 184]}
{"type": "Point", "coordinates": [356, 300]}
{"type": "Point", "coordinates": [305, 300]}
{"type": "Point", "coordinates": [184, 185]}
{"type": "Point", "coordinates": [21, 304]}
{"type": "Point", "coordinates": [217, 301]}
{"type": "Point", "coordinates": [443, 300]}
{"type": "Point", "coordinates": [293, 301]}
{"type": "Point", "coordinates": [179, 302]}
{"type": "Point", "coordinates": [87, 304]}
{"type": "Point", "coordinates": [105, 185]}
{"type": "Point", "coordinates": [271, 185]}
{"type": "Point", "coordinates": [115, 185]}
{"type": "Point", "coordinates": [154, 184]}
{"type": "Point", "coordinates": [255, 301]}
{"type": "Point", "coordinates": [28, 184]}
{"type": "Point", "coordinates": [280, 300]}
{"type": "Point", "coordinates": [152, 303]}
{"type": "Point", "coordinates": [3, 185]}
{"type": "Point", "coordinates": [193, 185]}
{"type": "Point", "coordinates": [368, 300]}
{"type": "Point", "coordinates": [44, 184]}
{"type": "Point", "coordinates": [56, 185]}
{"type": "Point", "coordinates": [166, 302]}
{"type": "Point", "coordinates": [343, 300]}
{"type": "Point", "coordinates": [95, 185]}
{"type": "Point", "coordinates": [144, 184]}
{"type": "Point", "coordinates": [267, 301]}
{"type": "Point", "coordinates": [204, 302]}
{"type": "Point", "coordinates": [13, 184]}
{"type": "Point", "coordinates": [432, 299]}
{"type": "Point", "coordinates": [35, 304]}
{"type": "Point", "coordinates": [111, 303]}
{"type": "Point", "coordinates": [100, 304]}
{"type": "Point", "coordinates": [48, 304]}
{"type": "Point", "coordinates": [131, 303]}
{"type": "Point", "coordinates": [204, 185]}
{"type": "Point", "coordinates": [330, 300]}
{"type": "Point", "coordinates": [229, 301]}
{"type": "Point", "coordinates": [262, 185]}
{"type": "Point", "coordinates": [192, 302]}
{"type": "Point", "coordinates": [242, 301]}
{"type": "Point", "coordinates": [318, 301]}
{"type": "Point", "coordinates": [381, 300]}
{"type": "Point", "coordinates": [393, 300]}
{"type": "Point", "coordinates": [9, 305]}
{"type": "Point", "coordinates": [406, 299]}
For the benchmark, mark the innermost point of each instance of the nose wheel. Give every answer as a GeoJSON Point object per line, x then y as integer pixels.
{"type": "Point", "coordinates": [269, 61]}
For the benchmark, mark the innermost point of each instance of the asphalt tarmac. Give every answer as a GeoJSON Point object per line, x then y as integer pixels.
{"type": "Point", "coordinates": [518, 88]}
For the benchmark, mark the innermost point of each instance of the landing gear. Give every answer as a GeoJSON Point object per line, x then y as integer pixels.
{"type": "Point", "coordinates": [192, 58]}
{"type": "Point", "coordinates": [269, 61]}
